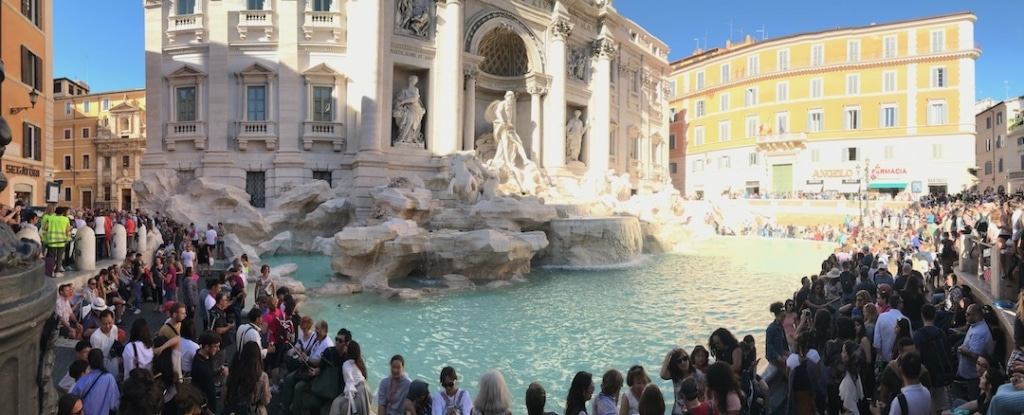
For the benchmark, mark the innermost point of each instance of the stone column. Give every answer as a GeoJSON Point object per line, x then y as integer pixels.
{"type": "Point", "coordinates": [469, 102]}
{"type": "Point", "coordinates": [86, 244]}
{"type": "Point", "coordinates": [554, 104]}
{"type": "Point", "coordinates": [213, 101]}
{"type": "Point", "coordinates": [445, 93]}
{"type": "Point", "coordinates": [601, 112]}
{"type": "Point", "coordinates": [119, 244]}
{"type": "Point", "coordinates": [534, 145]}
{"type": "Point", "coordinates": [365, 18]}
{"type": "Point", "coordinates": [154, 17]}
{"type": "Point", "coordinates": [289, 166]}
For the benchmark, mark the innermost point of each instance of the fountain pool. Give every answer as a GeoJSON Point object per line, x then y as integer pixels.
{"type": "Point", "coordinates": [565, 320]}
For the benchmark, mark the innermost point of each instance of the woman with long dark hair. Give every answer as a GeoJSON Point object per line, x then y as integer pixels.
{"type": "Point", "coordinates": [167, 375]}
{"type": "Point", "coordinates": [725, 348]}
{"type": "Point", "coordinates": [700, 358]}
{"type": "Point", "coordinates": [636, 380]}
{"type": "Point", "coordinates": [677, 367]}
{"type": "Point", "coordinates": [139, 352]}
{"type": "Point", "coordinates": [851, 391]}
{"type": "Point", "coordinates": [355, 399]}
{"type": "Point", "coordinates": [581, 390]}
{"type": "Point", "coordinates": [724, 394]}
{"type": "Point", "coordinates": [248, 388]}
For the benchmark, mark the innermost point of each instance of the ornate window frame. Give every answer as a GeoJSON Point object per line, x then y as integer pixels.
{"type": "Point", "coordinates": [195, 131]}
{"type": "Point", "coordinates": [333, 131]}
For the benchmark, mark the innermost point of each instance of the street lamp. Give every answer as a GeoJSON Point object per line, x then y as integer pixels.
{"type": "Point", "coordinates": [864, 193]}
{"type": "Point", "coordinates": [33, 96]}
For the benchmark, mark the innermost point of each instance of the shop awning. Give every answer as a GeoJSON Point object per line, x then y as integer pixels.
{"type": "Point", "coordinates": [887, 186]}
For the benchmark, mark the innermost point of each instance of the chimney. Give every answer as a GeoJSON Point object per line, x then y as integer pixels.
{"type": "Point", "coordinates": [728, 44]}
{"type": "Point", "coordinates": [748, 40]}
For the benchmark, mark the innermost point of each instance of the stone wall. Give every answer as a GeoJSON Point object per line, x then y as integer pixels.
{"type": "Point", "coordinates": [26, 302]}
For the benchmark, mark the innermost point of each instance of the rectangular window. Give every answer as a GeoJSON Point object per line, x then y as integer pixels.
{"type": "Point", "coordinates": [85, 132]}
{"type": "Point", "coordinates": [750, 97]}
{"type": "Point", "coordinates": [999, 118]}
{"type": "Point", "coordinates": [698, 165]}
{"type": "Point", "coordinates": [988, 122]}
{"type": "Point", "coordinates": [852, 84]}
{"type": "Point", "coordinates": [671, 141]}
{"type": "Point", "coordinates": [783, 63]}
{"type": "Point", "coordinates": [85, 161]}
{"type": "Point", "coordinates": [1000, 165]}
{"type": "Point", "coordinates": [889, 81]}
{"type": "Point", "coordinates": [817, 88]}
{"type": "Point", "coordinates": [815, 120]}
{"type": "Point", "coordinates": [753, 65]}
{"type": "Point", "coordinates": [635, 85]}
{"type": "Point", "coordinates": [938, 43]}
{"type": "Point", "coordinates": [782, 91]}
{"type": "Point", "coordinates": [67, 163]}
{"type": "Point", "coordinates": [724, 131]}
{"type": "Point", "coordinates": [751, 130]}
{"type": "Point", "coordinates": [725, 72]}
{"type": "Point", "coordinates": [32, 11]}
{"type": "Point", "coordinates": [937, 151]}
{"type": "Point", "coordinates": [723, 102]}
{"type": "Point", "coordinates": [781, 123]}
{"type": "Point", "coordinates": [256, 103]}
{"type": "Point", "coordinates": [888, 116]}
{"type": "Point", "coordinates": [106, 162]}
{"type": "Point", "coordinates": [186, 7]}
{"type": "Point", "coordinates": [321, 5]}
{"type": "Point", "coordinates": [938, 77]}
{"type": "Point", "coordinates": [69, 108]}
{"type": "Point", "coordinates": [851, 154]}
{"type": "Point", "coordinates": [67, 194]}
{"type": "Point", "coordinates": [31, 69]}
{"type": "Point", "coordinates": [752, 159]}
{"type": "Point", "coordinates": [323, 99]}
{"type": "Point", "coordinates": [724, 162]}
{"type": "Point", "coordinates": [67, 133]}
{"type": "Point", "coordinates": [324, 175]}
{"type": "Point", "coordinates": [815, 155]}
{"type": "Point", "coordinates": [31, 141]}
{"type": "Point", "coordinates": [254, 4]}
{"type": "Point", "coordinates": [700, 110]}
{"type": "Point", "coordinates": [852, 50]}
{"type": "Point", "coordinates": [817, 55]}
{"type": "Point", "coordinates": [889, 46]}
{"type": "Point", "coordinates": [185, 103]}
{"type": "Point", "coordinates": [698, 135]}
{"type": "Point", "coordinates": [851, 118]}
{"type": "Point", "coordinates": [86, 106]}
{"type": "Point", "coordinates": [126, 161]}
{"type": "Point", "coordinates": [672, 168]}
{"type": "Point", "coordinates": [700, 80]}
{"type": "Point", "coordinates": [889, 152]}
{"type": "Point", "coordinates": [106, 192]}
{"type": "Point", "coordinates": [937, 112]}
{"type": "Point", "coordinates": [105, 104]}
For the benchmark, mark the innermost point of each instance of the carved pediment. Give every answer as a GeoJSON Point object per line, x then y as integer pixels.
{"type": "Point", "coordinates": [322, 69]}
{"type": "Point", "coordinates": [186, 71]}
{"type": "Point", "coordinates": [257, 69]}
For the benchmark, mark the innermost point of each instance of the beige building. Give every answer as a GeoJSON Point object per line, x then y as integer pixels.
{"type": "Point", "coordinates": [999, 157]}
{"type": "Point", "coordinates": [99, 139]}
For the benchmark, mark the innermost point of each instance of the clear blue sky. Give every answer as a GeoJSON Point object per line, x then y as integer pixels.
{"type": "Point", "coordinates": [102, 42]}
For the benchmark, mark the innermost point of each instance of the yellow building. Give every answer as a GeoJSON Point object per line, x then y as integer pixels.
{"type": "Point", "coordinates": [887, 106]}
{"type": "Point", "coordinates": [99, 139]}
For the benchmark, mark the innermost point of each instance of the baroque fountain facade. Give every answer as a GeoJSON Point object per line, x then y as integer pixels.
{"type": "Point", "coordinates": [456, 139]}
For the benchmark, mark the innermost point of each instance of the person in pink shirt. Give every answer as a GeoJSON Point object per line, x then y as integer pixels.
{"type": "Point", "coordinates": [277, 332]}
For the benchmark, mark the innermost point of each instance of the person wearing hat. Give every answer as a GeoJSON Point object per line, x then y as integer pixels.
{"type": "Point", "coordinates": [91, 319]}
{"type": "Point", "coordinates": [418, 400]}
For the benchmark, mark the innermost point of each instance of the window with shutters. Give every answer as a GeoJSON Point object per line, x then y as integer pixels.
{"type": "Point", "coordinates": [723, 102]}
{"type": "Point", "coordinates": [889, 152]}
{"type": "Point", "coordinates": [699, 108]}
{"type": "Point", "coordinates": [851, 118]}
{"type": "Point", "coordinates": [852, 84]}
{"type": "Point", "coordinates": [783, 59]}
{"type": "Point", "coordinates": [724, 131]}
{"type": "Point", "coordinates": [815, 120]}
{"type": "Point", "coordinates": [817, 55]}
{"type": "Point", "coordinates": [69, 108]}
{"type": "Point", "coordinates": [889, 81]}
{"type": "Point", "coordinates": [781, 122]}
{"type": "Point", "coordinates": [753, 65]}
{"type": "Point", "coordinates": [782, 91]}
{"type": "Point", "coordinates": [751, 130]}
{"type": "Point", "coordinates": [31, 69]}
{"type": "Point", "coordinates": [889, 119]}
{"type": "Point", "coordinates": [700, 80]}
{"type": "Point", "coordinates": [852, 50]}
{"type": "Point", "coordinates": [32, 141]}
{"type": "Point", "coordinates": [938, 77]}
{"type": "Point", "coordinates": [85, 132]}
{"type": "Point", "coordinates": [750, 97]}
{"type": "Point", "coordinates": [85, 161]}
{"type": "Point", "coordinates": [67, 163]}
{"type": "Point", "coordinates": [817, 87]}
{"type": "Point", "coordinates": [937, 112]}
{"type": "Point", "coordinates": [32, 10]}
{"type": "Point", "coordinates": [726, 69]}
{"type": "Point", "coordinates": [938, 41]}
{"type": "Point", "coordinates": [698, 135]}
{"type": "Point", "coordinates": [889, 46]}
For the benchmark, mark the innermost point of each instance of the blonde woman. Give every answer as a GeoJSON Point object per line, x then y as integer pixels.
{"type": "Point", "coordinates": [494, 397]}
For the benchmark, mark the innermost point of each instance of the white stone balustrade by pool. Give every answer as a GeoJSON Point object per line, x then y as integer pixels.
{"type": "Point", "coordinates": [119, 242]}
{"type": "Point", "coordinates": [85, 260]}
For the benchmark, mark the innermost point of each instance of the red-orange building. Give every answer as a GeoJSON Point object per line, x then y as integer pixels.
{"type": "Point", "coordinates": [26, 48]}
{"type": "Point", "coordinates": [677, 148]}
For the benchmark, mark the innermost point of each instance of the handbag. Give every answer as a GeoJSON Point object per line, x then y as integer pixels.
{"type": "Point", "coordinates": [326, 384]}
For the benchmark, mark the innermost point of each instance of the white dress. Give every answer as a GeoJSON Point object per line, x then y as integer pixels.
{"type": "Point", "coordinates": [850, 392]}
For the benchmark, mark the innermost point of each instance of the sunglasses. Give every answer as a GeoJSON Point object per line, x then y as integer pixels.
{"type": "Point", "coordinates": [448, 384]}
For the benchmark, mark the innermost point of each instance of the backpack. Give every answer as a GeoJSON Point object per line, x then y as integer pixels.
{"type": "Point", "coordinates": [451, 405]}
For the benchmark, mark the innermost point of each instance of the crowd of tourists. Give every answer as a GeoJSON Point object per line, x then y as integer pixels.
{"type": "Point", "coordinates": [884, 327]}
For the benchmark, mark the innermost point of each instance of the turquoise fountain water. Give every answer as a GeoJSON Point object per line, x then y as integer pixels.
{"type": "Point", "coordinates": [565, 320]}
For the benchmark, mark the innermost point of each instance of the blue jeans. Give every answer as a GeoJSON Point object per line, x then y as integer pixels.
{"type": "Point", "coordinates": [101, 247]}
{"type": "Point", "coordinates": [137, 294]}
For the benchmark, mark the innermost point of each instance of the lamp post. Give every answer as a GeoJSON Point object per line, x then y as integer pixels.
{"type": "Point", "coordinates": [864, 195]}
{"type": "Point", "coordinates": [33, 96]}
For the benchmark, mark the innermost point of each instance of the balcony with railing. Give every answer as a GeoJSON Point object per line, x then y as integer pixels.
{"type": "Point", "coordinates": [327, 22]}
{"type": "Point", "coordinates": [781, 142]}
{"type": "Point", "coordinates": [259, 22]}
{"type": "Point", "coordinates": [194, 131]}
{"type": "Point", "coordinates": [248, 131]}
{"type": "Point", "coordinates": [186, 28]}
{"type": "Point", "coordinates": [332, 133]}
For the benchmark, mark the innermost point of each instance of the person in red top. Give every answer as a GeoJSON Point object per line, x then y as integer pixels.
{"type": "Point", "coordinates": [277, 331]}
{"type": "Point", "coordinates": [690, 399]}
{"type": "Point", "coordinates": [129, 227]}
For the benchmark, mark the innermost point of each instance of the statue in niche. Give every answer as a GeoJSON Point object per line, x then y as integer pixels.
{"type": "Point", "coordinates": [408, 114]}
{"type": "Point", "coordinates": [577, 64]}
{"type": "Point", "coordinates": [509, 144]}
{"type": "Point", "coordinates": [574, 131]}
{"type": "Point", "coordinates": [412, 17]}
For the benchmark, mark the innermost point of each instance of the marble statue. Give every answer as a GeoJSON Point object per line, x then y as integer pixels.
{"type": "Point", "coordinates": [408, 113]}
{"type": "Point", "coordinates": [509, 145]}
{"type": "Point", "coordinates": [412, 17]}
{"type": "Point", "coordinates": [577, 64]}
{"type": "Point", "coordinates": [574, 131]}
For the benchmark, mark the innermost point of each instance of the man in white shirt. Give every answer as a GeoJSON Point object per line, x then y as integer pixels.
{"type": "Point", "coordinates": [188, 257]}
{"type": "Point", "coordinates": [251, 333]}
{"type": "Point", "coordinates": [100, 227]}
{"type": "Point", "coordinates": [978, 341]}
{"type": "Point", "coordinates": [885, 328]}
{"type": "Point", "coordinates": [104, 338]}
{"type": "Point", "coordinates": [914, 395]}
{"type": "Point", "coordinates": [69, 325]}
{"type": "Point", "coordinates": [211, 242]}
